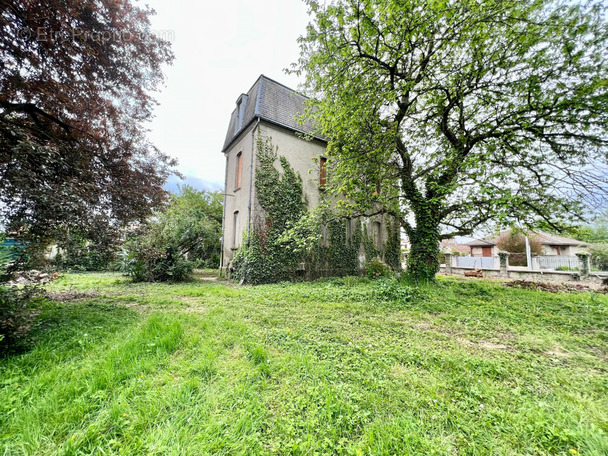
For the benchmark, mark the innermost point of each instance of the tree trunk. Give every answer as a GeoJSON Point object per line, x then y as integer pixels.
{"type": "Point", "coordinates": [423, 259]}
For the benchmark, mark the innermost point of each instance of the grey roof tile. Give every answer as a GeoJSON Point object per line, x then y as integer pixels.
{"type": "Point", "coordinates": [271, 101]}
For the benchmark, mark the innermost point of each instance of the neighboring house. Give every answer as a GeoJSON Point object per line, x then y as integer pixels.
{"type": "Point", "coordinates": [482, 248]}
{"type": "Point", "coordinates": [552, 245]}
{"type": "Point", "coordinates": [453, 247]}
{"type": "Point", "coordinates": [270, 109]}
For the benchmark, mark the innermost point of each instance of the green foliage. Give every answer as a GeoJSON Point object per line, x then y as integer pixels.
{"type": "Point", "coordinates": [193, 221]}
{"type": "Point", "coordinates": [595, 232]}
{"type": "Point", "coordinates": [18, 305]}
{"type": "Point", "coordinates": [338, 256]}
{"type": "Point", "coordinates": [264, 256]}
{"type": "Point", "coordinates": [79, 252]}
{"type": "Point", "coordinates": [19, 309]}
{"type": "Point", "coordinates": [148, 257]}
{"type": "Point", "coordinates": [392, 247]}
{"type": "Point", "coordinates": [460, 113]}
{"type": "Point", "coordinates": [371, 251]}
{"type": "Point", "coordinates": [376, 268]}
{"type": "Point", "coordinates": [185, 234]}
{"type": "Point", "coordinates": [288, 235]}
{"type": "Point", "coordinates": [599, 256]}
{"type": "Point", "coordinates": [391, 289]}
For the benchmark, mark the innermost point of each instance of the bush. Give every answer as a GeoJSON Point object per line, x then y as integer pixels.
{"type": "Point", "coordinates": [376, 268]}
{"type": "Point", "coordinates": [81, 254]}
{"type": "Point", "coordinates": [19, 309]}
{"type": "Point", "coordinates": [392, 290]}
{"type": "Point", "coordinates": [143, 261]}
{"type": "Point", "coordinates": [599, 256]}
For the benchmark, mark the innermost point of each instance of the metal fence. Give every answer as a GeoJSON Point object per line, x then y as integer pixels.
{"type": "Point", "coordinates": [557, 261]}
{"type": "Point", "coordinates": [475, 262]}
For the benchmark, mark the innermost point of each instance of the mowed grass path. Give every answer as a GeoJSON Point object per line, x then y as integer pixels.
{"type": "Point", "coordinates": [342, 366]}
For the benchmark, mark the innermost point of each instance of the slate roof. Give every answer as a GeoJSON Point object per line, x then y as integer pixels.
{"type": "Point", "coordinates": [273, 102]}
{"type": "Point", "coordinates": [544, 238]}
{"type": "Point", "coordinates": [480, 243]}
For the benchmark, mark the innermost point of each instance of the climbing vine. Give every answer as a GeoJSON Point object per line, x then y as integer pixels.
{"type": "Point", "coordinates": [286, 242]}
{"type": "Point", "coordinates": [264, 257]}
{"type": "Point", "coordinates": [392, 246]}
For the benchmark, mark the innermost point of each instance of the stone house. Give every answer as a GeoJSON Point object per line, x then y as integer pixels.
{"type": "Point", "coordinates": [270, 109]}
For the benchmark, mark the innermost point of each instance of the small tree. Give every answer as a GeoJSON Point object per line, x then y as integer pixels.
{"type": "Point", "coordinates": [169, 246]}
{"type": "Point", "coordinates": [514, 241]}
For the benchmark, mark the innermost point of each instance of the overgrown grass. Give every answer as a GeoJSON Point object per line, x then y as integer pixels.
{"type": "Point", "coordinates": [341, 366]}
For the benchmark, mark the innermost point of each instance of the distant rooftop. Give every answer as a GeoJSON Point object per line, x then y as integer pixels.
{"type": "Point", "coordinates": [544, 238]}
{"type": "Point", "coordinates": [270, 101]}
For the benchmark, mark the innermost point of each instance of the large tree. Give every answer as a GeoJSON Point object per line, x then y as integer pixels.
{"type": "Point", "coordinates": [76, 78]}
{"type": "Point", "coordinates": [461, 112]}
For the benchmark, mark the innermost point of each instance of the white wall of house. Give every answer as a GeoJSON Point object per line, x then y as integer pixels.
{"type": "Point", "coordinates": [298, 151]}
{"type": "Point", "coordinates": [478, 251]}
{"type": "Point", "coordinates": [563, 250]}
{"type": "Point", "coordinates": [236, 212]}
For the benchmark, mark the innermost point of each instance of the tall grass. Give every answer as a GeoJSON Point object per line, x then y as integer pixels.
{"type": "Point", "coordinates": [342, 366]}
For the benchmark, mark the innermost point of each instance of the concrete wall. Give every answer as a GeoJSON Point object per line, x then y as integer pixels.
{"type": "Point", "coordinates": [300, 154]}
{"type": "Point", "coordinates": [237, 199]}
{"type": "Point", "coordinates": [539, 276]}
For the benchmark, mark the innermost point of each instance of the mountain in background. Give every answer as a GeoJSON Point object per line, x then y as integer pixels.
{"type": "Point", "coordinates": [199, 184]}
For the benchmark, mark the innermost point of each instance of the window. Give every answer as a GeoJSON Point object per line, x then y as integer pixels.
{"type": "Point", "coordinates": [349, 229]}
{"type": "Point", "coordinates": [378, 234]}
{"type": "Point", "coordinates": [239, 169]}
{"type": "Point", "coordinates": [322, 171]}
{"type": "Point", "coordinates": [377, 189]}
{"type": "Point", "coordinates": [325, 236]}
{"type": "Point", "coordinates": [235, 224]}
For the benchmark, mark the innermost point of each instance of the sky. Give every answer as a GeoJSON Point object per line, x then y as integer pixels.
{"type": "Point", "coordinates": [220, 50]}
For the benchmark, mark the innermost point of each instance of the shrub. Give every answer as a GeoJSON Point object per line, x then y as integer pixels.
{"type": "Point", "coordinates": [146, 258]}
{"type": "Point", "coordinates": [18, 313]}
{"type": "Point", "coordinates": [389, 289]}
{"type": "Point", "coordinates": [78, 252]}
{"type": "Point", "coordinates": [376, 268]}
{"type": "Point", "coordinates": [514, 241]}
{"type": "Point", "coordinates": [599, 256]}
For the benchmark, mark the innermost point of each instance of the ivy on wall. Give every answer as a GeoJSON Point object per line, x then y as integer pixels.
{"type": "Point", "coordinates": [392, 246]}
{"type": "Point", "coordinates": [263, 257]}
{"type": "Point", "coordinates": [286, 236]}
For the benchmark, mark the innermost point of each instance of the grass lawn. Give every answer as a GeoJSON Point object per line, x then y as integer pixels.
{"type": "Point", "coordinates": [342, 366]}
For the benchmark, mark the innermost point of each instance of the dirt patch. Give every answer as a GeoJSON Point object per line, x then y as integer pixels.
{"type": "Point", "coordinates": [194, 304]}
{"type": "Point", "coordinates": [483, 344]}
{"type": "Point", "coordinates": [552, 287]}
{"type": "Point", "coordinates": [558, 352]}
{"type": "Point", "coordinates": [72, 295]}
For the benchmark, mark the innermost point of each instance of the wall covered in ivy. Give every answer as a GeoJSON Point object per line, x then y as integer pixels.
{"type": "Point", "coordinates": [268, 255]}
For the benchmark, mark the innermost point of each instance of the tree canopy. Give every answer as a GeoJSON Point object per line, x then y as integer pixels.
{"type": "Point", "coordinates": [186, 234]}
{"type": "Point", "coordinates": [460, 112]}
{"type": "Point", "coordinates": [76, 85]}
